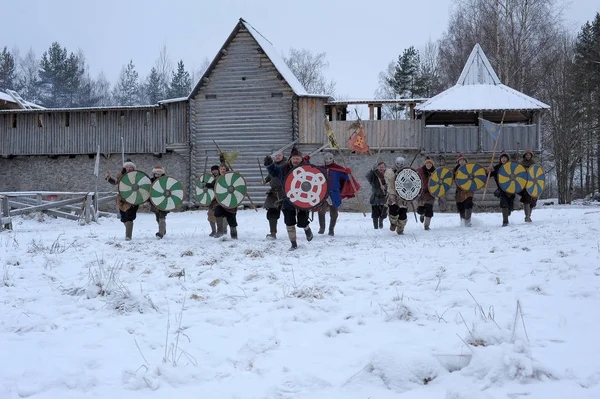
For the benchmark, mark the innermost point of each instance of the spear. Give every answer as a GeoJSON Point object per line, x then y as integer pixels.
{"type": "Point", "coordinates": [262, 177]}
{"type": "Point", "coordinates": [230, 168]}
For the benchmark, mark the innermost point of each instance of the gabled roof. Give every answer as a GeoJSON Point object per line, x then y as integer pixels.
{"type": "Point", "coordinates": [479, 89]}
{"type": "Point", "coordinates": [269, 51]}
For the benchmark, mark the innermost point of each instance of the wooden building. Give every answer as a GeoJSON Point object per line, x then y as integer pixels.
{"type": "Point", "coordinates": [248, 101]}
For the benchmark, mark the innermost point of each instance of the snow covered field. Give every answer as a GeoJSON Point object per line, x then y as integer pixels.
{"type": "Point", "coordinates": [364, 314]}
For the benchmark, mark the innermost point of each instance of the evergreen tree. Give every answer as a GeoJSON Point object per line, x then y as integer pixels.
{"type": "Point", "coordinates": [153, 89]}
{"type": "Point", "coordinates": [181, 84]}
{"type": "Point", "coordinates": [127, 89]}
{"type": "Point", "coordinates": [8, 71]}
{"type": "Point", "coordinates": [61, 75]}
{"type": "Point", "coordinates": [411, 78]}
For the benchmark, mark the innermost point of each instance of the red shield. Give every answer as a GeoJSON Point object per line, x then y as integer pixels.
{"type": "Point", "coordinates": [306, 187]}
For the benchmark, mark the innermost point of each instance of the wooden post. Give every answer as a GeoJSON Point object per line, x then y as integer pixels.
{"type": "Point", "coordinates": [88, 203]}
{"type": "Point", "coordinates": [371, 112]}
{"type": "Point", "coordinates": [6, 219]}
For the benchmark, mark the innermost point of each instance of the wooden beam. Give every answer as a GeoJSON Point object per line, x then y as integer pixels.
{"type": "Point", "coordinates": [371, 112]}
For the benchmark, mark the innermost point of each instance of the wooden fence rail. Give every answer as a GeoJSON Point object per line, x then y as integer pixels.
{"type": "Point", "coordinates": [82, 206]}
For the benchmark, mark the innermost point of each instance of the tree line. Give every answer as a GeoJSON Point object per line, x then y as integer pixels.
{"type": "Point", "coordinates": [61, 79]}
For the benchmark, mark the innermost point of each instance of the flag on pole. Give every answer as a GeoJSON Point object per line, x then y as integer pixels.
{"type": "Point", "coordinates": [492, 128]}
{"type": "Point", "coordinates": [97, 165]}
{"type": "Point", "coordinates": [330, 135]}
{"type": "Point", "coordinates": [358, 141]}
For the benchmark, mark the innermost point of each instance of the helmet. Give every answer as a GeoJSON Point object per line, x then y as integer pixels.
{"type": "Point", "coordinates": [399, 162]}
{"type": "Point", "coordinates": [328, 158]}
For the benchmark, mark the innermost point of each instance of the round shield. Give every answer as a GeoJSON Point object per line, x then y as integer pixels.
{"type": "Point", "coordinates": [306, 187]}
{"type": "Point", "coordinates": [230, 189]}
{"type": "Point", "coordinates": [205, 195]}
{"type": "Point", "coordinates": [166, 193]}
{"type": "Point", "coordinates": [440, 181]}
{"type": "Point", "coordinates": [470, 177]}
{"type": "Point", "coordinates": [536, 180]}
{"type": "Point", "coordinates": [512, 177]}
{"type": "Point", "coordinates": [134, 187]}
{"type": "Point", "coordinates": [408, 184]}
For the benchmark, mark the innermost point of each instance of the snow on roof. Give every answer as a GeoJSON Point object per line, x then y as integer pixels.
{"type": "Point", "coordinates": [277, 60]}
{"type": "Point", "coordinates": [173, 100]}
{"type": "Point", "coordinates": [478, 88]}
{"type": "Point", "coordinates": [7, 97]}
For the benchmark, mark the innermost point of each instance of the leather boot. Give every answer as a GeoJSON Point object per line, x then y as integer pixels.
{"type": "Point", "coordinates": [401, 225]}
{"type": "Point", "coordinates": [332, 222]}
{"type": "Point", "coordinates": [527, 210]}
{"type": "Point", "coordinates": [272, 228]}
{"type": "Point", "coordinates": [213, 229]}
{"type": "Point", "coordinates": [393, 222]}
{"type": "Point", "coordinates": [375, 224]}
{"type": "Point", "coordinates": [291, 230]}
{"type": "Point", "coordinates": [233, 232]}
{"type": "Point", "coordinates": [381, 223]}
{"type": "Point", "coordinates": [468, 217]}
{"type": "Point", "coordinates": [422, 218]}
{"type": "Point", "coordinates": [224, 225]}
{"type": "Point", "coordinates": [427, 222]}
{"type": "Point", "coordinates": [220, 228]}
{"type": "Point", "coordinates": [321, 223]}
{"type": "Point", "coordinates": [504, 217]}
{"type": "Point", "coordinates": [462, 217]}
{"type": "Point", "coordinates": [128, 230]}
{"type": "Point", "coordinates": [309, 234]}
{"type": "Point", "coordinates": [162, 228]}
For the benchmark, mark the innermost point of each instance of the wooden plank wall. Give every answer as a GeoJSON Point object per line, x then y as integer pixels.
{"type": "Point", "coordinates": [46, 133]}
{"type": "Point", "coordinates": [390, 134]}
{"type": "Point", "coordinates": [177, 116]}
{"type": "Point", "coordinates": [311, 117]}
{"type": "Point", "coordinates": [473, 139]}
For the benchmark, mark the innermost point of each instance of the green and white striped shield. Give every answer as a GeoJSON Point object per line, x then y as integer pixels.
{"type": "Point", "coordinates": [230, 189]}
{"type": "Point", "coordinates": [205, 195]}
{"type": "Point", "coordinates": [166, 193]}
{"type": "Point", "coordinates": [134, 187]}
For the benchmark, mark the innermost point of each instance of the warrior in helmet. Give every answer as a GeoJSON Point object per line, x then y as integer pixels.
{"type": "Point", "coordinates": [397, 206]}
{"type": "Point", "coordinates": [464, 198]}
{"type": "Point", "coordinates": [274, 198]}
{"type": "Point", "coordinates": [528, 201]}
{"type": "Point", "coordinates": [161, 216]}
{"type": "Point", "coordinates": [291, 215]}
{"type": "Point", "coordinates": [127, 211]}
{"type": "Point", "coordinates": [337, 176]}
{"type": "Point", "coordinates": [426, 200]}
{"type": "Point", "coordinates": [376, 179]}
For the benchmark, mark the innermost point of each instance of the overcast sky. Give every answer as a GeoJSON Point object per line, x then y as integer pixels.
{"type": "Point", "coordinates": [359, 37]}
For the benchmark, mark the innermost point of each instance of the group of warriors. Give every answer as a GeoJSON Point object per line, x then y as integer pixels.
{"type": "Point", "coordinates": [298, 189]}
{"type": "Point", "coordinates": [396, 189]}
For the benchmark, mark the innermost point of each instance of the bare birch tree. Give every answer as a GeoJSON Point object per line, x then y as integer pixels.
{"type": "Point", "coordinates": [309, 69]}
